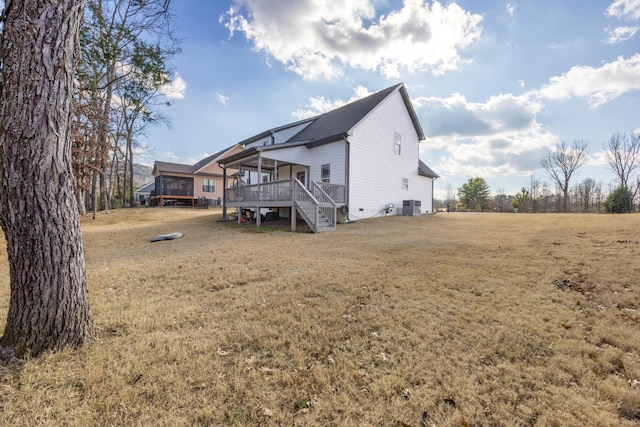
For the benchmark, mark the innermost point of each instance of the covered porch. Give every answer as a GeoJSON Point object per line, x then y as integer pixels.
{"type": "Point", "coordinates": [266, 184]}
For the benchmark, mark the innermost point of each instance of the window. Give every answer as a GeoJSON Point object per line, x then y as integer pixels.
{"type": "Point", "coordinates": [325, 173]}
{"type": "Point", "coordinates": [208, 185]}
{"type": "Point", "coordinates": [405, 183]}
{"type": "Point", "coordinates": [397, 141]}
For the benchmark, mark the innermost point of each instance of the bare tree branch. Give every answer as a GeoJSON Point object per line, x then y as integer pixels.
{"type": "Point", "coordinates": [562, 163]}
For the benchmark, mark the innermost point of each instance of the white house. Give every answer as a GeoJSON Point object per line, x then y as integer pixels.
{"type": "Point", "coordinates": [358, 161]}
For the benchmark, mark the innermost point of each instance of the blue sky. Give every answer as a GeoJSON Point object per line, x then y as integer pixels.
{"type": "Point", "coordinates": [495, 84]}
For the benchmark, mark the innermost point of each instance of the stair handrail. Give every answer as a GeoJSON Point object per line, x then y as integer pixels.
{"type": "Point", "coordinates": [324, 199]}
{"type": "Point", "coordinates": [300, 195]}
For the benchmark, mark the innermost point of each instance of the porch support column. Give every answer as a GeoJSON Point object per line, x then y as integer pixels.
{"type": "Point", "coordinates": [293, 218]}
{"type": "Point", "coordinates": [293, 204]}
{"type": "Point", "coordinates": [258, 219]}
{"type": "Point", "coordinates": [275, 170]}
{"type": "Point", "coordinates": [239, 209]}
{"type": "Point", "coordinates": [224, 194]}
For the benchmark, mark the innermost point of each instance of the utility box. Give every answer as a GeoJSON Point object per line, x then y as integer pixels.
{"type": "Point", "coordinates": [411, 207]}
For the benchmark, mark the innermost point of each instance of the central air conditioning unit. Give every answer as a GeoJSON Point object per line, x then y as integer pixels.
{"type": "Point", "coordinates": [411, 207]}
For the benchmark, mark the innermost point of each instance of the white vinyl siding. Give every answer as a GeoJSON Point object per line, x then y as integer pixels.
{"type": "Point", "coordinates": [298, 155]}
{"type": "Point", "coordinates": [329, 154]}
{"type": "Point", "coordinates": [376, 173]}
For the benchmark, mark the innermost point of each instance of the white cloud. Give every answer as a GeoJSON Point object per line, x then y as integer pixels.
{"type": "Point", "coordinates": [176, 88]}
{"type": "Point", "coordinates": [620, 34]}
{"type": "Point", "coordinates": [315, 39]}
{"type": "Point", "coordinates": [624, 9]}
{"type": "Point", "coordinates": [171, 156]}
{"type": "Point", "coordinates": [498, 137]}
{"type": "Point", "coordinates": [318, 105]}
{"type": "Point", "coordinates": [598, 85]}
{"type": "Point", "coordinates": [221, 99]}
{"type": "Point", "coordinates": [511, 8]}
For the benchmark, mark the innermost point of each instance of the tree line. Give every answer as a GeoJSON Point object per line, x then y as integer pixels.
{"type": "Point", "coordinates": [123, 66]}
{"type": "Point", "coordinates": [622, 153]}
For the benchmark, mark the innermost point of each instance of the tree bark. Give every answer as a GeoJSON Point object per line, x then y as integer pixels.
{"type": "Point", "coordinates": [49, 302]}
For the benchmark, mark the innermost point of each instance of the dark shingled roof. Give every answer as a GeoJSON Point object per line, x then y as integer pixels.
{"type": "Point", "coordinates": [188, 169]}
{"type": "Point", "coordinates": [172, 167]}
{"type": "Point", "coordinates": [335, 124]}
{"type": "Point", "coordinates": [425, 170]}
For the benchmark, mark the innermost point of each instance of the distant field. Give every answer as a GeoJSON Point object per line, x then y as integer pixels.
{"type": "Point", "coordinates": [444, 320]}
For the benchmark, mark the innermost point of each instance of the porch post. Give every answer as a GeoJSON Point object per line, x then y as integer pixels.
{"type": "Point", "coordinates": [293, 218]}
{"type": "Point", "coordinates": [258, 219]}
{"type": "Point", "coordinates": [293, 204]}
{"type": "Point", "coordinates": [224, 194]}
{"type": "Point", "coordinates": [239, 208]}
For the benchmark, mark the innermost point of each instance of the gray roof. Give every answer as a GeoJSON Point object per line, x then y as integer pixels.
{"type": "Point", "coordinates": [425, 170]}
{"type": "Point", "coordinates": [147, 188]}
{"type": "Point", "coordinates": [164, 167]}
{"type": "Point", "coordinates": [335, 124]}
{"type": "Point", "coordinates": [172, 167]}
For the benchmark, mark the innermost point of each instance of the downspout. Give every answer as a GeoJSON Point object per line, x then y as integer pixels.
{"type": "Point", "coordinates": [347, 162]}
{"type": "Point", "coordinates": [433, 182]}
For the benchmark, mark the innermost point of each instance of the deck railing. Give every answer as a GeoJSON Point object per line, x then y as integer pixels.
{"type": "Point", "coordinates": [336, 192]}
{"type": "Point", "coordinates": [263, 192]}
{"type": "Point", "coordinates": [326, 203]}
{"type": "Point", "coordinates": [317, 205]}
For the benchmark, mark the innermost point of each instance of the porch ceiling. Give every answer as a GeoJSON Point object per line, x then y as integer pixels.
{"type": "Point", "coordinates": [251, 163]}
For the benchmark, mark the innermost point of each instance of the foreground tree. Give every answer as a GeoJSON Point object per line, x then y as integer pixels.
{"type": "Point", "coordinates": [562, 163]}
{"type": "Point", "coordinates": [474, 194]}
{"type": "Point", "coordinates": [49, 304]}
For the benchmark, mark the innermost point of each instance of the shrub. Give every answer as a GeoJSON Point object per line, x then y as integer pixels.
{"type": "Point", "coordinates": [619, 201]}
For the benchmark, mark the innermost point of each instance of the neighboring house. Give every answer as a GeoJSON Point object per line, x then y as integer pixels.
{"type": "Point", "coordinates": [143, 193]}
{"type": "Point", "coordinates": [357, 161]}
{"type": "Point", "coordinates": [200, 184]}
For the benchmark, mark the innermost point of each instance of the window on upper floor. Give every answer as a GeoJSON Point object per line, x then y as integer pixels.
{"type": "Point", "coordinates": [325, 173]}
{"type": "Point", "coordinates": [397, 142]}
{"type": "Point", "coordinates": [405, 183]}
{"type": "Point", "coordinates": [208, 185]}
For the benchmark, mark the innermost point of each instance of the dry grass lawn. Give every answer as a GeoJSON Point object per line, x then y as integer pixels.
{"type": "Point", "coordinates": [439, 320]}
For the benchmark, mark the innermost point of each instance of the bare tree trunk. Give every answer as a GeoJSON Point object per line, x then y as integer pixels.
{"type": "Point", "coordinates": [105, 203]}
{"type": "Point", "coordinates": [130, 156]}
{"type": "Point", "coordinates": [49, 303]}
{"type": "Point", "coordinates": [80, 195]}
{"type": "Point", "coordinates": [94, 194]}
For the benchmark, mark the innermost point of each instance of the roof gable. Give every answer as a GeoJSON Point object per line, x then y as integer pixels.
{"type": "Point", "coordinates": [337, 123]}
